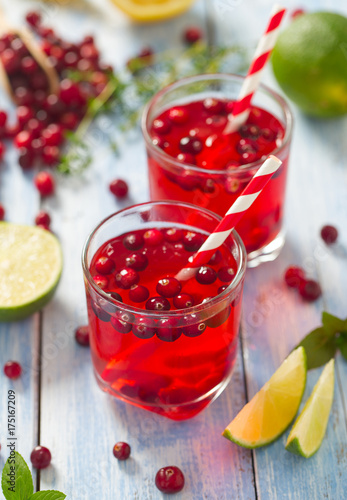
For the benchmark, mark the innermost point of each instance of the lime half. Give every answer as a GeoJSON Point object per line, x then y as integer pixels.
{"type": "Point", "coordinates": [30, 268]}
{"type": "Point", "coordinates": [272, 409]}
{"type": "Point", "coordinates": [309, 428]}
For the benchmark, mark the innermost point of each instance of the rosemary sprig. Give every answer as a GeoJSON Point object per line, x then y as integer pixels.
{"type": "Point", "coordinates": [129, 90]}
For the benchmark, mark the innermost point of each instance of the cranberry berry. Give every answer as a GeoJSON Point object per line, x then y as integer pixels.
{"type": "Point", "coordinates": [82, 335]}
{"type": "Point", "coordinates": [329, 234]}
{"type": "Point", "coordinates": [168, 287]}
{"type": "Point", "coordinates": [137, 261]}
{"type": "Point", "coordinates": [158, 304]}
{"type": "Point", "coordinates": [310, 290]}
{"type": "Point", "coordinates": [226, 274]}
{"type": "Point", "coordinates": [133, 241]}
{"type": "Point", "coordinates": [2, 212]}
{"type": "Point", "coordinates": [206, 275]}
{"type": "Point", "coordinates": [12, 369]}
{"type": "Point", "coordinates": [169, 479]}
{"type": "Point", "coordinates": [167, 330]}
{"type": "Point", "coordinates": [138, 293]}
{"type": "Point", "coordinates": [101, 281]}
{"type": "Point", "coordinates": [293, 276]}
{"type": "Point", "coordinates": [192, 35]}
{"type": "Point", "coordinates": [144, 328]}
{"type": "Point", "coordinates": [119, 188]}
{"type": "Point", "coordinates": [40, 457]}
{"type": "Point", "coordinates": [43, 219]}
{"type": "Point", "coordinates": [104, 265]}
{"type": "Point", "coordinates": [121, 450]}
{"type": "Point", "coordinates": [44, 182]}
{"type": "Point", "coordinates": [153, 237]}
{"type": "Point", "coordinates": [183, 301]}
{"type": "Point", "coordinates": [192, 241]}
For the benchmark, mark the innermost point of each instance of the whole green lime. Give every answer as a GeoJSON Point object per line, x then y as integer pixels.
{"type": "Point", "coordinates": [309, 61]}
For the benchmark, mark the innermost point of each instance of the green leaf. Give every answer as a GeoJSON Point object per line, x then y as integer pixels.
{"type": "Point", "coordinates": [320, 347]}
{"type": "Point", "coordinates": [48, 495]}
{"type": "Point", "coordinates": [341, 342]}
{"type": "Point", "coordinates": [332, 324]}
{"type": "Point", "coordinates": [16, 481]}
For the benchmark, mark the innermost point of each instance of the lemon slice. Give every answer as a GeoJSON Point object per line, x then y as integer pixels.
{"type": "Point", "coordinates": [152, 10]}
{"type": "Point", "coordinates": [273, 408]}
{"type": "Point", "coordinates": [30, 268]}
{"type": "Point", "coordinates": [309, 428]}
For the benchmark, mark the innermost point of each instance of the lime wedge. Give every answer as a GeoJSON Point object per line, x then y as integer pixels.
{"type": "Point", "coordinates": [30, 268]}
{"type": "Point", "coordinates": [309, 428]}
{"type": "Point", "coordinates": [272, 409]}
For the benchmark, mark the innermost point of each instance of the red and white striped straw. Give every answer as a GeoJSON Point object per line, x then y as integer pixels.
{"type": "Point", "coordinates": [242, 106]}
{"type": "Point", "coordinates": [231, 218]}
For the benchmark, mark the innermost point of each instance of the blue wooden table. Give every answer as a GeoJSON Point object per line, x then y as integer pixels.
{"type": "Point", "coordinates": [58, 402]}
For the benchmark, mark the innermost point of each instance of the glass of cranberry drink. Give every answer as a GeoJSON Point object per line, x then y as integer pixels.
{"type": "Point", "coordinates": [158, 343]}
{"type": "Point", "coordinates": [189, 158]}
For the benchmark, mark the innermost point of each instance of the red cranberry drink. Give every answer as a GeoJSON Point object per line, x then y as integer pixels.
{"type": "Point", "coordinates": [189, 158]}
{"type": "Point", "coordinates": [161, 344]}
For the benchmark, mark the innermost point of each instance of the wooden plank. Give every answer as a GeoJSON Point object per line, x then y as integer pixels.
{"type": "Point", "coordinates": [79, 423]}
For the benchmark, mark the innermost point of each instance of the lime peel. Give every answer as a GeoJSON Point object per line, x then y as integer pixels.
{"type": "Point", "coordinates": [271, 410]}
{"type": "Point", "coordinates": [309, 429]}
{"type": "Point", "coordinates": [30, 269]}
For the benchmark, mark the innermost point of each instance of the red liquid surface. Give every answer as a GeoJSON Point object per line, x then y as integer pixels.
{"type": "Point", "coordinates": [205, 121]}
{"type": "Point", "coordinates": [176, 377]}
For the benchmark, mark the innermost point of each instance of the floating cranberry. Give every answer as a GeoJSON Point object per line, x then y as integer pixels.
{"type": "Point", "coordinates": [169, 479]}
{"type": "Point", "coordinates": [43, 219]}
{"type": "Point", "coordinates": [138, 293]}
{"type": "Point", "coordinates": [216, 258]}
{"type": "Point", "coordinates": [248, 157]}
{"type": "Point", "coordinates": [190, 145]}
{"type": "Point", "coordinates": [207, 186]}
{"type": "Point", "coordinates": [121, 450]}
{"type": "Point", "coordinates": [104, 265]}
{"type": "Point", "coordinates": [2, 212]}
{"type": "Point", "coordinates": [167, 330]}
{"type": "Point", "coordinates": [222, 288]}
{"type": "Point", "coordinates": [183, 301]}
{"type": "Point", "coordinates": [192, 241]}
{"type": "Point", "coordinates": [268, 134]}
{"type": "Point", "coordinates": [168, 287]}
{"type": "Point", "coordinates": [33, 18]}
{"type": "Point", "coordinates": [133, 241]}
{"type": "Point", "coordinates": [329, 234]}
{"type": "Point", "coordinates": [126, 278]}
{"type": "Point", "coordinates": [232, 185]}
{"type": "Point", "coordinates": [195, 329]}
{"type": "Point", "coordinates": [120, 325]}
{"type": "Point", "coordinates": [192, 34]}
{"type": "Point", "coordinates": [293, 276]}
{"type": "Point", "coordinates": [153, 237]}
{"type": "Point", "coordinates": [115, 296]}
{"type": "Point", "coordinates": [173, 235]}
{"type": "Point", "coordinates": [158, 304]}
{"type": "Point", "coordinates": [251, 131]}
{"type": "Point", "coordinates": [246, 146]}
{"type": "Point", "coordinates": [178, 115]}
{"type": "Point", "coordinates": [44, 182]}
{"type": "Point", "coordinates": [137, 261]}
{"type": "Point", "coordinates": [187, 159]}
{"type": "Point", "coordinates": [310, 290]}
{"type": "Point", "coordinates": [12, 369]}
{"type": "Point", "coordinates": [213, 105]}
{"type": "Point", "coordinates": [40, 457]}
{"type": "Point", "coordinates": [205, 275]}
{"type": "Point", "coordinates": [99, 312]}
{"type": "Point", "coordinates": [161, 127]}
{"type": "Point", "coordinates": [119, 188]}
{"type": "Point", "coordinates": [101, 281]}
{"type": "Point", "coordinates": [226, 274]}
{"type": "Point", "coordinates": [144, 329]}
{"type": "Point", "coordinates": [82, 335]}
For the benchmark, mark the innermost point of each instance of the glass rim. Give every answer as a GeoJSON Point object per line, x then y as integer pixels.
{"type": "Point", "coordinates": [241, 269]}
{"type": "Point", "coordinates": [214, 76]}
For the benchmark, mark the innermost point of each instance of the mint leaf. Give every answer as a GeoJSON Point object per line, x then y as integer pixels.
{"type": "Point", "coordinates": [320, 347]}
{"type": "Point", "coordinates": [16, 480]}
{"type": "Point", "coordinates": [47, 495]}
{"type": "Point", "coordinates": [341, 343]}
{"type": "Point", "coordinates": [333, 324]}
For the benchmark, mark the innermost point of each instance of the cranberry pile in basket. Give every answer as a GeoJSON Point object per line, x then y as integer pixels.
{"type": "Point", "coordinates": [43, 116]}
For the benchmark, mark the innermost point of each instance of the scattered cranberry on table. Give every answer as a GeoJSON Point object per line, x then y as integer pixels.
{"type": "Point", "coordinates": [119, 188]}
{"type": "Point", "coordinates": [121, 450]}
{"type": "Point", "coordinates": [12, 369]}
{"type": "Point", "coordinates": [192, 35]}
{"type": "Point", "coordinates": [43, 219]}
{"type": "Point", "coordinates": [169, 479]}
{"type": "Point", "coordinates": [2, 212]}
{"type": "Point", "coordinates": [293, 276]}
{"type": "Point", "coordinates": [82, 335]}
{"type": "Point", "coordinates": [40, 457]}
{"type": "Point", "coordinates": [44, 182]}
{"type": "Point", "coordinates": [310, 290]}
{"type": "Point", "coordinates": [329, 234]}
